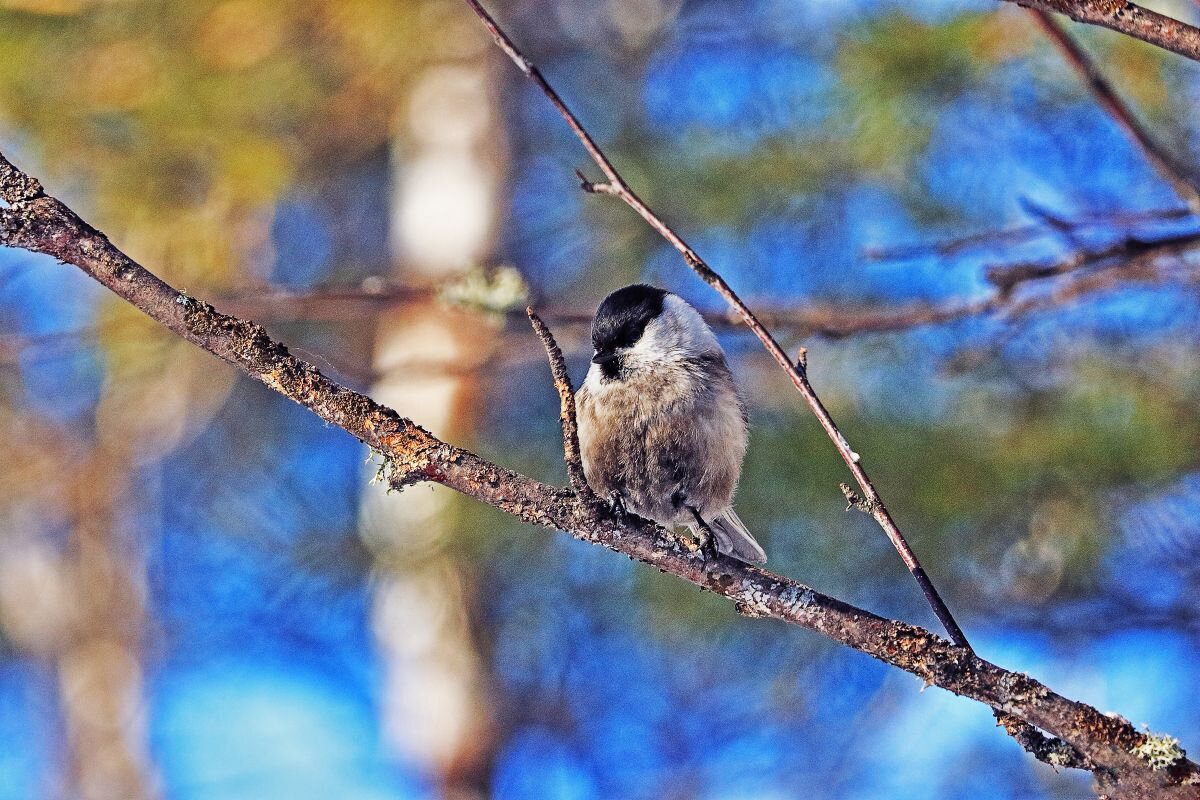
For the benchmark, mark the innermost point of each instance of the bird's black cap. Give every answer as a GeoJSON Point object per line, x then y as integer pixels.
{"type": "Point", "coordinates": [623, 316]}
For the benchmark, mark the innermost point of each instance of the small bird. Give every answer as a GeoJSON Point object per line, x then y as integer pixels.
{"type": "Point", "coordinates": [662, 431]}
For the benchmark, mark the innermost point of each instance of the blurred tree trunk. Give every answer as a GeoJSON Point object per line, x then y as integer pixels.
{"type": "Point", "coordinates": [99, 665]}
{"type": "Point", "coordinates": [77, 605]}
{"type": "Point", "coordinates": [443, 218]}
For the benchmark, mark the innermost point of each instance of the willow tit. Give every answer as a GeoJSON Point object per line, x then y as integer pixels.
{"type": "Point", "coordinates": [662, 430]}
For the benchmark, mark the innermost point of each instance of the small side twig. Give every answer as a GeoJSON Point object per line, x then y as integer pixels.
{"type": "Point", "coordinates": [592, 187]}
{"type": "Point", "coordinates": [566, 396]}
{"type": "Point", "coordinates": [856, 501]}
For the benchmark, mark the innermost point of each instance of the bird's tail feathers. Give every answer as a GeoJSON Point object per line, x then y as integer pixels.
{"type": "Point", "coordinates": [733, 539]}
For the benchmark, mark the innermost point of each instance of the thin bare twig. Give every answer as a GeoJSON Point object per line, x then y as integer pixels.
{"type": "Point", "coordinates": [1182, 180]}
{"type": "Point", "coordinates": [1128, 251]}
{"type": "Point", "coordinates": [617, 187]}
{"type": "Point", "coordinates": [37, 222]}
{"type": "Point", "coordinates": [1019, 234]}
{"type": "Point", "coordinates": [1130, 19]}
{"type": "Point", "coordinates": [566, 397]}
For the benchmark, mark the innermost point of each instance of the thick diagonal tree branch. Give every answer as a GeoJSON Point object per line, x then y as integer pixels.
{"type": "Point", "coordinates": [1106, 744]}
{"type": "Point", "coordinates": [1129, 19]}
{"type": "Point", "coordinates": [1182, 180]}
{"type": "Point", "coordinates": [616, 186]}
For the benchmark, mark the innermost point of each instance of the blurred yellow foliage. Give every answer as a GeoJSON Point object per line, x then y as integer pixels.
{"type": "Point", "coordinates": [199, 111]}
{"type": "Point", "coordinates": [238, 34]}
{"type": "Point", "coordinates": [46, 6]}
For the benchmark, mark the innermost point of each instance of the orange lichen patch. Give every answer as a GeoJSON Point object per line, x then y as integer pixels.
{"type": "Point", "coordinates": [272, 379]}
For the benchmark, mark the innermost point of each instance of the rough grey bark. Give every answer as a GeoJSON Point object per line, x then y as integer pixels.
{"type": "Point", "coordinates": [1110, 746]}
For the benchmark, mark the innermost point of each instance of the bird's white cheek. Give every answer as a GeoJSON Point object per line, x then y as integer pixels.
{"type": "Point", "coordinates": [592, 381]}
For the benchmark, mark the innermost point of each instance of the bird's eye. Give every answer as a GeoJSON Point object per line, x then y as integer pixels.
{"type": "Point", "coordinates": [628, 338]}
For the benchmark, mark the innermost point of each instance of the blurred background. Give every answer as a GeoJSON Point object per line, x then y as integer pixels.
{"type": "Point", "coordinates": [202, 595]}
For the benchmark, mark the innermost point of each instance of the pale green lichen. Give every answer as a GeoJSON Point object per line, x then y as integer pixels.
{"type": "Point", "coordinates": [498, 290]}
{"type": "Point", "coordinates": [383, 469]}
{"type": "Point", "coordinates": [1160, 751]}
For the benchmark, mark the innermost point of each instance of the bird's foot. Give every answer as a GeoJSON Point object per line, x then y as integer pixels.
{"type": "Point", "coordinates": [616, 505]}
{"type": "Point", "coordinates": [704, 540]}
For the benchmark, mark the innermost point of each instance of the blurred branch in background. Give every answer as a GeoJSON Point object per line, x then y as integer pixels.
{"type": "Point", "coordinates": [1131, 259]}
{"type": "Point", "coordinates": [1020, 234]}
{"type": "Point", "coordinates": [1130, 19]}
{"type": "Point", "coordinates": [1019, 288]}
{"type": "Point", "coordinates": [463, 292]}
{"type": "Point", "coordinates": [1182, 180]}
{"type": "Point", "coordinates": [1128, 763]}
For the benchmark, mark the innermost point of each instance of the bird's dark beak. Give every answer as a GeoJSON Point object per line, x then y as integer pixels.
{"type": "Point", "coordinates": [603, 357]}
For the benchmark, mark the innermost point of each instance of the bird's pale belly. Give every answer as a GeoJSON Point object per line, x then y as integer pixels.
{"type": "Point", "coordinates": [688, 454]}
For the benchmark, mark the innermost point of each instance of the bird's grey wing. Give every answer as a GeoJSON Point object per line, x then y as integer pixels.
{"type": "Point", "coordinates": [733, 539]}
